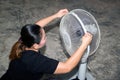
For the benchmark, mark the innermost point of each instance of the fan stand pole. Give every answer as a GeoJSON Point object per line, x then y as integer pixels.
{"type": "Point", "coordinates": [83, 65]}
{"type": "Point", "coordinates": [83, 73]}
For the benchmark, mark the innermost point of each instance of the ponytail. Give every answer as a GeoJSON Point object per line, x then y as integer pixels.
{"type": "Point", "coordinates": [30, 34]}
{"type": "Point", "coordinates": [16, 50]}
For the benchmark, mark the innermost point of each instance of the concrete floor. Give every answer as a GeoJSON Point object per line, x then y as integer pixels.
{"type": "Point", "coordinates": [104, 64]}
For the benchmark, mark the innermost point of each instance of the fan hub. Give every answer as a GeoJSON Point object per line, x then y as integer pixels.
{"type": "Point", "coordinates": [78, 33]}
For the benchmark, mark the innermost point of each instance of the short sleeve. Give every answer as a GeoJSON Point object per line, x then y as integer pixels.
{"type": "Point", "coordinates": [43, 64]}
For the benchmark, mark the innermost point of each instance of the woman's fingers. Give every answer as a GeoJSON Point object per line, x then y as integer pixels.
{"type": "Point", "coordinates": [61, 13]}
{"type": "Point", "coordinates": [87, 38]}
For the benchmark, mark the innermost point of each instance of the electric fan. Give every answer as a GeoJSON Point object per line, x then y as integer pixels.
{"type": "Point", "coordinates": [72, 27]}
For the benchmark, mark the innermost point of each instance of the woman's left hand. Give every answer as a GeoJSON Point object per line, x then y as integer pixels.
{"type": "Point", "coordinates": [61, 13]}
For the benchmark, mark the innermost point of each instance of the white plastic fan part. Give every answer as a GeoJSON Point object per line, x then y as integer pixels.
{"type": "Point", "coordinates": [74, 25]}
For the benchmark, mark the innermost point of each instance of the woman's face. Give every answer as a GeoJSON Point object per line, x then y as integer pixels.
{"type": "Point", "coordinates": [43, 38]}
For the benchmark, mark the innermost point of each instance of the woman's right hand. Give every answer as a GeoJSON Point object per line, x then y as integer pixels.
{"type": "Point", "coordinates": [86, 39]}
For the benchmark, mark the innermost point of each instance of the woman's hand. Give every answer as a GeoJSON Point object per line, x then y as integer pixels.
{"type": "Point", "coordinates": [86, 39]}
{"type": "Point", "coordinates": [61, 13]}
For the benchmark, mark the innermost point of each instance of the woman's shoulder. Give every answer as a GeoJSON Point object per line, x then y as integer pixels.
{"type": "Point", "coordinates": [30, 54]}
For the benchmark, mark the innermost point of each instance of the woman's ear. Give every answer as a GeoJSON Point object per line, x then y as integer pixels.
{"type": "Point", "coordinates": [36, 46]}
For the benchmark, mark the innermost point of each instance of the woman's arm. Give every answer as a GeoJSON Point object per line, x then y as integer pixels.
{"type": "Point", "coordinates": [47, 20]}
{"type": "Point", "coordinates": [68, 65]}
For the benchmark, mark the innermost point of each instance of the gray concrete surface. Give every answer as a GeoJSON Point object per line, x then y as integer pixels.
{"type": "Point", "coordinates": [104, 64]}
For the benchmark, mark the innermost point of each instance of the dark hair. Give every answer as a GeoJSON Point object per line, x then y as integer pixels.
{"type": "Point", "coordinates": [30, 34]}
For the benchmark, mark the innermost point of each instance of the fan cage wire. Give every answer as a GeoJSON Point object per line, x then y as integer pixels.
{"type": "Point", "coordinates": [96, 37]}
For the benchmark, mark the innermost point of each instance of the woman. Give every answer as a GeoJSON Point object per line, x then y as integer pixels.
{"type": "Point", "coordinates": [28, 64]}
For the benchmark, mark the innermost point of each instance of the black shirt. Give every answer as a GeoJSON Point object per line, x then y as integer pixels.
{"type": "Point", "coordinates": [30, 66]}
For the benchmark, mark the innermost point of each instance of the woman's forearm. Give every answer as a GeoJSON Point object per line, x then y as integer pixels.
{"type": "Point", "coordinates": [68, 65]}
{"type": "Point", "coordinates": [75, 58]}
{"type": "Point", "coordinates": [43, 22]}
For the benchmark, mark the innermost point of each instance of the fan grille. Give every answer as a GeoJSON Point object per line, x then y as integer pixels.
{"type": "Point", "coordinates": [71, 30]}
